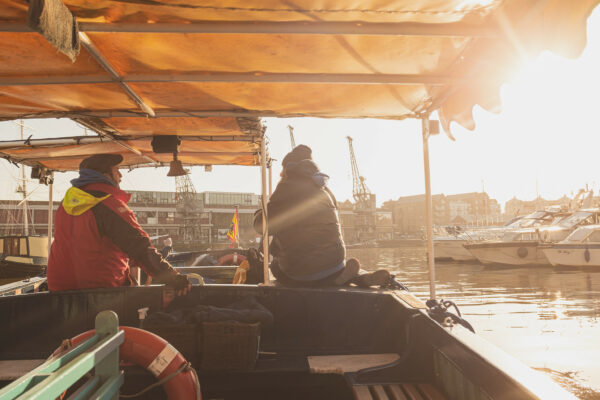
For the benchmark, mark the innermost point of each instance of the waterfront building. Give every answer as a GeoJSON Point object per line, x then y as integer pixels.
{"type": "Point", "coordinates": [465, 209]}
{"type": "Point", "coordinates": [515, 207]}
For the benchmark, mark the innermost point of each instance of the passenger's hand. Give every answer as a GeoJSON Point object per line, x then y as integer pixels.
{"type": "Point", "coordinates": [180, 283]}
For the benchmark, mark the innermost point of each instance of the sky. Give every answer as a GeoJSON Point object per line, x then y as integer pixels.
{"type": "Point", "coordinates": [546, 141]}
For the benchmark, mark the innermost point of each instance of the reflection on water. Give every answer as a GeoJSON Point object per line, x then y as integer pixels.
{"type": "Point", "coordinates": [547, 318]}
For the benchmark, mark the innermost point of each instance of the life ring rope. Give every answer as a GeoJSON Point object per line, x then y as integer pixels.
{"type": "Point", "coordinates": [184, 367]}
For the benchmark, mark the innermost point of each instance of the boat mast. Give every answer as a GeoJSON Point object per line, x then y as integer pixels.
{"type": "Point", "coordinates": [24, 190]}
{"type": "Point", "coordinates": [428, 205]}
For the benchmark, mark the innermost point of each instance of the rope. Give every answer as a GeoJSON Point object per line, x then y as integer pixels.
{"type": "Point", "coordinates": [186, 366]}
{"type": "Point", "coordinates": [439, 312]}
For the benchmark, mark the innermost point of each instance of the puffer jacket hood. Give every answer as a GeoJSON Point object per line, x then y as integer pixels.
{"type": "Point", "coordinates": [306, 169]}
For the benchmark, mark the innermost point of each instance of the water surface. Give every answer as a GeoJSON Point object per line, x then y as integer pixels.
{"type": "Point", "coordinates": [547, 318]}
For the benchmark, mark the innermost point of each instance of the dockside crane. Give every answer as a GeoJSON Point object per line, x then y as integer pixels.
{"type": "Point", "coordinates": [361, 193]}
{"type": "Point", "coordinates": [364, 201]}
{"type": "Point", "coordinates": [189, 207]}
{"type": "Point", "coordinates": [292, 141]}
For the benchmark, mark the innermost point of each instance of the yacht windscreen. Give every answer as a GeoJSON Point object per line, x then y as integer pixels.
{"type": "Point", "coordinates": [536, 218]}
{"type": "Point", "coordinates": [578, 235]}
{"type": "Point", "coordinates": [576, 219]}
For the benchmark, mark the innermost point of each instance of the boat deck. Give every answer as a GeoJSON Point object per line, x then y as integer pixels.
{"type": "Point", "coordinates": [404, 391]}
{"type": "Point", "coordinates": [330, 343]}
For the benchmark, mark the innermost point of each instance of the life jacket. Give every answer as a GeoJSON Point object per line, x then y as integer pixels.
{"type": "Point", "coordinates": [80, 258]}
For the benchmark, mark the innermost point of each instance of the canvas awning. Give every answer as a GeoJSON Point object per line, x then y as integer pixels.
{"type": "Point", "coordinates": [198, 66]}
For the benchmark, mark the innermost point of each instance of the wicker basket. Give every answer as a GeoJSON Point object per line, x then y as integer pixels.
{"type": "Point", "coordinates": [185, 338]}
{"type": "Point", "coordinates": [229, 345]}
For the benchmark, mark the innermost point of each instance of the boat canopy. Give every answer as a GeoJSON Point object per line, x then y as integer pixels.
{"type": "Point", "coordinates": [132, 68]}
{"type": "Point", "coordinates": [201, 69]}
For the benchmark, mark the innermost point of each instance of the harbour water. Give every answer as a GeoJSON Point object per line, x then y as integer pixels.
{"type": "Point", "coordinates": [547, 318]}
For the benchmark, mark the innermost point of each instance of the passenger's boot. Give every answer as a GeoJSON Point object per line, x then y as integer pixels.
{"type": "Point", "coordinates": [380, 278]}
{"type": "Point", "coordinates": [349, 272]}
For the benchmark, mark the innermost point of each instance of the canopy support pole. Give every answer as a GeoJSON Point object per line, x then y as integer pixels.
{"type": "Point", "coordinates": [265, 224]}
{"type": "Point", "coordinates": [50, 211]}
{"type": "Point", "coordinates": [428, 206]}
{"type": "Point", "coordinates": [270, 178]}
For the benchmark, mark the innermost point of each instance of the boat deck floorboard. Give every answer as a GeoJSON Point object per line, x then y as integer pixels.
{"type": "Point", "coordinates": [403, 391]}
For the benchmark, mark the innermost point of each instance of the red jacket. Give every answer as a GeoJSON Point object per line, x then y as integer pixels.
{"type": "Point", "coordinates": [96, 237]}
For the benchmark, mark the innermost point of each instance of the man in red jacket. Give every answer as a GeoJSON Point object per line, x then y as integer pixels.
{"type": "Point", "coordinates": [97, 237]}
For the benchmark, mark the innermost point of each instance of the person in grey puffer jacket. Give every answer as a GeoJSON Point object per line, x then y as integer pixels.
{"type": "Point", "coordinates": [307, 247]}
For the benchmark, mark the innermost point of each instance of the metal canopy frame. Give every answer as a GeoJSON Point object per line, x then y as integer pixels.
{"type": "Point", "coordinates": [286, 28]}
{"type": "Point", "coordinates": [100, 59]}
{"type": "Point", "coordinates": [227, 77]}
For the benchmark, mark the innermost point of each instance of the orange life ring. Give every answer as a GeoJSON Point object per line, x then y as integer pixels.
{"type": "Point", "coordinates": [152, 352]}
{"type": "Point", "coordinates": [231, 259]}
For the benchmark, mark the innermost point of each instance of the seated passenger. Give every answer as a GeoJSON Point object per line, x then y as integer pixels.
{"type": "Point", "coordinates": [97, 237]}
{"type": "Point", "coordinates": [307, 247]}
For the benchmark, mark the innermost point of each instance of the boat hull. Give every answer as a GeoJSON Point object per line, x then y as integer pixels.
{"type": "Point", "coordinates": [307, 324]}
{"type": "Point", "coordinates": [452, 250]}
{"type": "Point", "coordinates": [509, 253]}
{"type": "Point", "coordinates": [574, 255]}
{"type": "Point", "coordinates": [20, 270]}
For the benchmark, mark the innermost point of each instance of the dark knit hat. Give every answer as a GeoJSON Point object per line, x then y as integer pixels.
{"type": "Point", "coordinates": [102, 163]}
{"type": "Point", "coordinates": [299, 153]}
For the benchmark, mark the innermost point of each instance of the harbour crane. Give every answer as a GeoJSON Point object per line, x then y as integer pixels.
{"type": "Point", "coordinates": [361, 193]}
{"type": "Point", "coordinates": [293, 142]}
{"type": "Point", "coordinates": [364, 202]}
{"type": "Point", "coordinates": [190, 208]}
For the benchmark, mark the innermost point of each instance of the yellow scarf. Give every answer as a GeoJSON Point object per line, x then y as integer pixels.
{"type": "Point", "coordinates": [76, 201]}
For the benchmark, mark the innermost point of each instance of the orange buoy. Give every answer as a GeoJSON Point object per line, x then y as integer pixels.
{"type": "Point", "coordinates": [158, 356]}
{"type": "Point", "coordinates": [231, 259]}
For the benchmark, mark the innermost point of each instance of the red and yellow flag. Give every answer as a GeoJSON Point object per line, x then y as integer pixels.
{"type": "Point", "coordinates": [234, 231]}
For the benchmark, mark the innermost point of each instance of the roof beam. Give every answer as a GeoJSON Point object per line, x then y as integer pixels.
{"type": "Point", "coordinates": [37, 143]}
{"type": "Point", "coordinates": [93, 50]}
{"type": "Point", "coordinates": [112, 137]}
{"type": "Point", "coordinates": [81, 114]}
{"type": "Point", "coordinates": [81, 140]}
{"type": "Point", "coordinates": [244, 77]}
{"type": "Point", "coordinates": [181, 153]}
{"type": "Point", "coordinates": [455, 29]}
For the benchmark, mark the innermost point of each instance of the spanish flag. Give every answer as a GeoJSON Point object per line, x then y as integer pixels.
{"type": "Point", "coordinates": [234, 231]}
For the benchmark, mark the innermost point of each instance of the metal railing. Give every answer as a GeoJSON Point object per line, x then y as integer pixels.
{"type": "Point", "coordinates": [100, 352]}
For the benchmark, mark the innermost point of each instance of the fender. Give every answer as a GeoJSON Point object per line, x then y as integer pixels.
{"type": "Point", "coordinates": [152, 352]}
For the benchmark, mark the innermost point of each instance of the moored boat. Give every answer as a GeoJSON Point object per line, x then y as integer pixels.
{"type": "Point", "coordinates": [524, 246]}
{"type": "Point", "coordinates": [452, 247]}
{"type": "Point", "coordinates": [23, 256]}
{"type": "Point", "coordinates": [580, 249]}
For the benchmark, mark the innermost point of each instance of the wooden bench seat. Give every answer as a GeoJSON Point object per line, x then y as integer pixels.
{"type": "Point", "coordinates": [400, 391]}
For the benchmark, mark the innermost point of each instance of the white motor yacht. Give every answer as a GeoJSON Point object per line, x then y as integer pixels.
{"type": "Point", "coordinates": [523, 246]}
{"type": "Point", "coordinates": [451, 245]}
{"type": "Point", "coordinates": [580, 249]}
